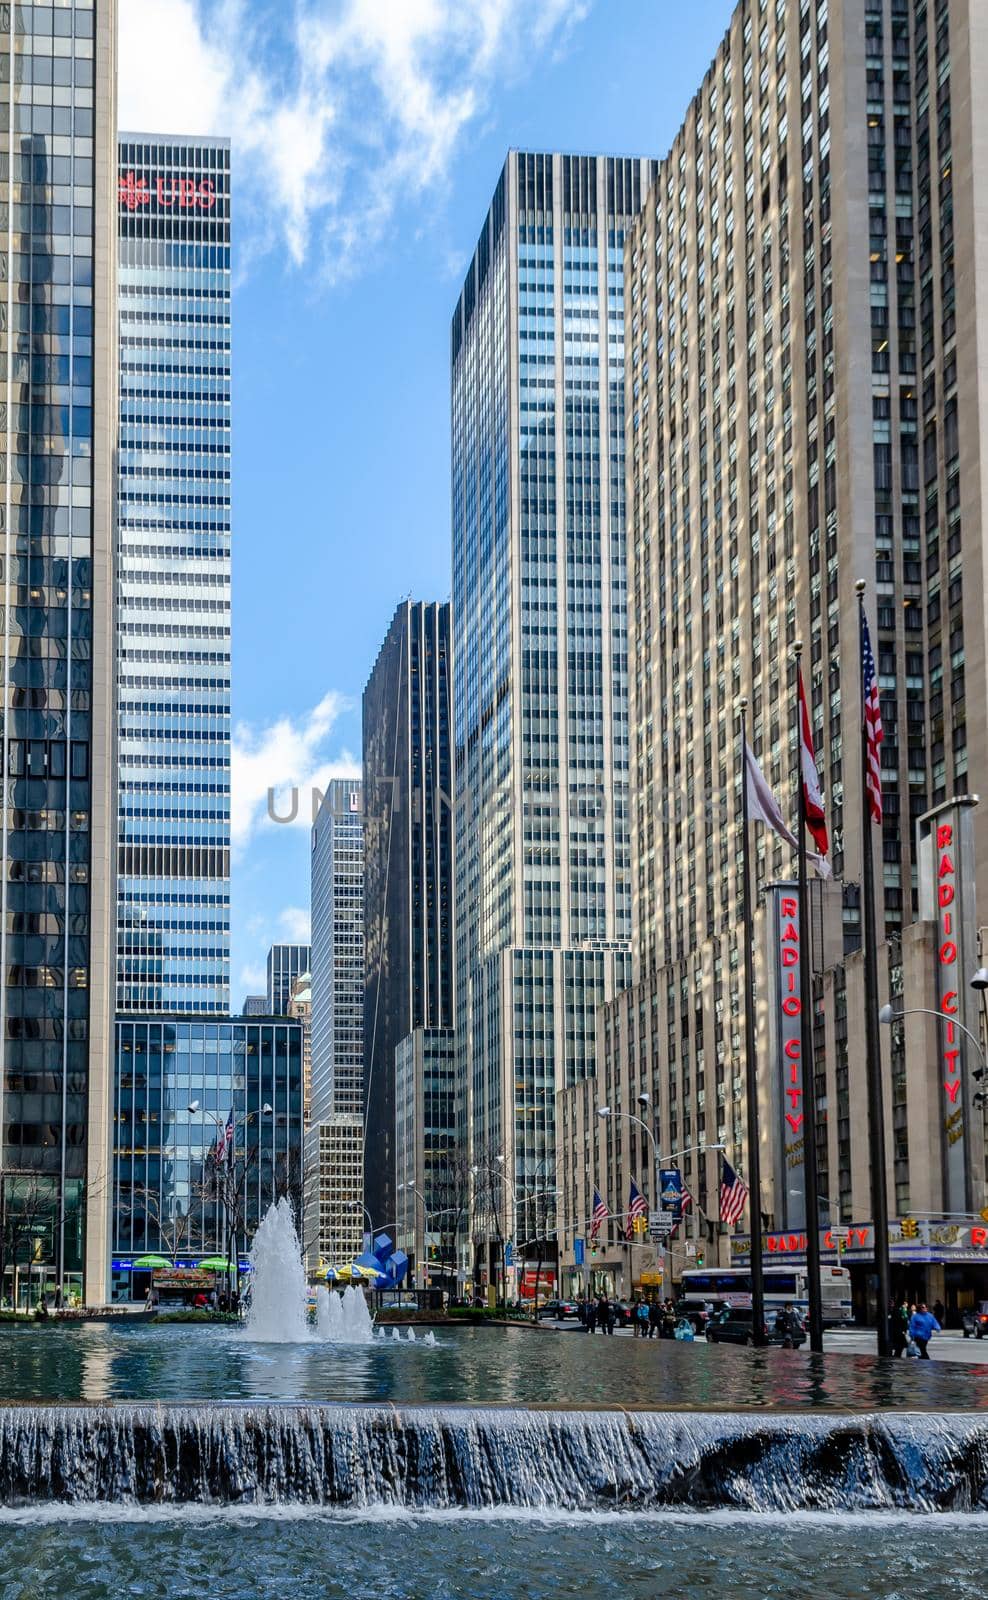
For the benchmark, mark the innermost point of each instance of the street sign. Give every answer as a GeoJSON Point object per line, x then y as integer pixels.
{"type": "Point", "coordinates": [660, 1225]}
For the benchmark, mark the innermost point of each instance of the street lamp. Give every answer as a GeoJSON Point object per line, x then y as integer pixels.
{"type": "Point", "coordinates": [644, 1100]}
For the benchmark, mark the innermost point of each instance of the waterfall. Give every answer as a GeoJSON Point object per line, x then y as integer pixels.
{"type": "Point", "coordinates": [484, 1458]}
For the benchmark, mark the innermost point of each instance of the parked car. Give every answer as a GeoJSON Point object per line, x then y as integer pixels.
{"type": "Point", "coordinates": [975, 1320]}
{"type": "Point", "coordinates": [559, 1309]}
{"type": "Point", "coordinates": [696, 1314]}
{"type": "Point", "coordinates": [733, 1325]}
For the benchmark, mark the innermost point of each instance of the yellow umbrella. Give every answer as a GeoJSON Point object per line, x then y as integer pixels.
{"type": "Point", "coordinates": [366, 1272]}
{"type": "Point", "coordinates": [334, 1272]}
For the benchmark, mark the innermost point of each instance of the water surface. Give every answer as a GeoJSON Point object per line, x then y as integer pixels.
{"type": "Point", "coordinates": [505, 1557]}
{"type": "Point", "coordinates": [480, 1366]}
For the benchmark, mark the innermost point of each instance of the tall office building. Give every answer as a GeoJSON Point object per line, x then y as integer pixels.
{"type": "Point", "coordinates": [543, 887]}
{"type": "Point", "coordinates": [408, 892]}
{"type": "Point", "coordinates": [286, 963]}
{"type": "Point", "coordinates": [806, 307]}
{"type": "Point", "coordinates": [335, 1138]}
{"type": "Point", "coordinates": [165, 1191]}
{"type": "Point", "coordinates": [59, 420]}
{"type": "Point", "coordinates": [173, 581]}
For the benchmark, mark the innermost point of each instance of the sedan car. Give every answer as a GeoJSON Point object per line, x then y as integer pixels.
{"type": "Point", "coordinates": [976, 1320]}
{"type": "Point", "coordinates": [559, 1309]}
{"type": "Point", "coordinates": [733, 1325]}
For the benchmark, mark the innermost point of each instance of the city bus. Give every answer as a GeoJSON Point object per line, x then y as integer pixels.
{"type": "Point", "coordinates": [731, 1286]}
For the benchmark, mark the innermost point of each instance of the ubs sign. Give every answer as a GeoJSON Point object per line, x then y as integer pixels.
{"type": "Point", "coordinates": [165, 194]}
{"type": "Point", "coordinates": [946, 889]}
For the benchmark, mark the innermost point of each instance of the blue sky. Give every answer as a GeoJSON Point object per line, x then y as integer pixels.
{"type": "Point", "coordinates": [367, 139]}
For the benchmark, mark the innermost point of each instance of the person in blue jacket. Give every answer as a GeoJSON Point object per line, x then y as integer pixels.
{"type": "Point", "coordinates": [922, 1326]}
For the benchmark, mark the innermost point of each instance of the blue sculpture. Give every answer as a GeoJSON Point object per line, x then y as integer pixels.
{"type": "Point", "coordinates": [389, 1264]}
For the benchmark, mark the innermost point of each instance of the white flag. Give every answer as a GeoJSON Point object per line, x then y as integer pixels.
{"type": "Point", "coordinates": [763, 807]}
{"type": "Point", "coordinates": [762, 804]}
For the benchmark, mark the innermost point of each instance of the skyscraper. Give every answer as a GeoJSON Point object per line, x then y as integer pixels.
{"type": "Point", "coordinates": [335, 1138]}
{"type": "Point", "coordinates": [805, 305]}
{"type": "Point", "coordinates": [166, 1193]}
{"type": "Point", "coordinates": [173, 552]}
{"type": "Point", "coordinates": [58, 187]}
{"type": "Point", "coordinates": [286, 962]}
{"type": "Point", "coordinates": [543, 886]}
{"type": "Point", "coordinates": [408, 870]}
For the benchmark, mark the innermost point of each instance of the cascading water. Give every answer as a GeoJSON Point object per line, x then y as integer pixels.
{"type": "Point", "coordinates": [479, 1458]}
{"type": "Point", "coordinates": [279, 1309]}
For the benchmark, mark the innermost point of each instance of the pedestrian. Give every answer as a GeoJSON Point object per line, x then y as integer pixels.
{"type": "Point", "coordinates": [605, 1320]}
{"type": "Point", "coordinates": [922, 1326]}
{"type": "Point", "coordinates": [641, 1319]}
{"type": "Point", "coordinates": [899, 1328]}
{"type": "Point", "coordinates": [668, 1321]}
{"type": "Point", "coordinates": [788, 1325]}
{"type": "Point", "coordinates": [591, 1318]}
{"type": "Point", "coordinates": [655, 1320]}
{"type": "Point", "coordinates": [940, 1311]}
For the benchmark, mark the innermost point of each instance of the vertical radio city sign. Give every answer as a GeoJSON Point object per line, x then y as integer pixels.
{"type": "Point", "coordinates": [946, 889]}
{"type": "Point", "coordinates": [786, 999]}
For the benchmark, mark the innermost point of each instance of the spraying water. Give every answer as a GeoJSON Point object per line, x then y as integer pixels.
{"type": "Point", "coordinates": [279, 1312]}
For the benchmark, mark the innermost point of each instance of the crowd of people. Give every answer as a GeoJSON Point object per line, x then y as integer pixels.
{"type": "Point", "coordinates": [649, 1319]}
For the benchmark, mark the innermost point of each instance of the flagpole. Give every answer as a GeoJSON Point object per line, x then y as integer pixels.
{"type": "Point", "coordinates": [873, 1049]}
{"type": "Point", "coordinates": [751, 1060]}
{"type": "Point", "coordinates": [810, 1178]}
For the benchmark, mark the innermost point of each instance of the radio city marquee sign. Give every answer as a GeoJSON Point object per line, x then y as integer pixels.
{"type": "Point", "coordinates": [165, 194]}
{"type": "Point", "coordinates": [786, 1049]}
{"type": "Point", "coordinates": [946, 886]}
{"type": "Point", "coordinates": [913, 1238]}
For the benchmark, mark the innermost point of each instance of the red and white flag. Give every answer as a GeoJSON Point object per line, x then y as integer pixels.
{"type": "Point", "coordinates": [812, 793]}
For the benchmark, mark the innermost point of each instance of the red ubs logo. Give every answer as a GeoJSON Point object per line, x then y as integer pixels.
{"type": "Point", "coordinates": [134, 192]}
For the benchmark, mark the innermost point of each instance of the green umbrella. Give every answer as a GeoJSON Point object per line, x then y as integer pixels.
{"type": "Point", "coordinates": [151, 1264]}
{"type": "Point", "coordinates": [215, 1264]}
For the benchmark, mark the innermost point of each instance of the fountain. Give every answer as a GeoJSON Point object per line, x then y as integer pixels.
{"type": "Point", "coordinates": [279, 1310]}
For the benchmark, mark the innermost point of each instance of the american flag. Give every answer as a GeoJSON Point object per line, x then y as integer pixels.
{"type": "Point", "coordinates": [599, 1215]}
{"type": "Point", "coordinates": [733, 1194]}
{"type": "Point", "coordinates": [224, 1142]}
{"type": "Point", "coordinates": [637, 1207]}
{"type": "Point", "coordinates": [872, 722]}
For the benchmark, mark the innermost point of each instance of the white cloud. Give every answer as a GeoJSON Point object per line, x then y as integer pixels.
{"type": "Point", "coordinates": [289, 761]}
{"type": "Point", "coordinates": [337, 109]}
{"type": "Point", "coordinates": [294, 924]}
{"type": "Point", "coordinates": [253, 980]}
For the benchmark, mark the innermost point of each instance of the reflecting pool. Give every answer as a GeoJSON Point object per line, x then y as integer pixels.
{"type": "Point", "coordinates": [482, 1366]}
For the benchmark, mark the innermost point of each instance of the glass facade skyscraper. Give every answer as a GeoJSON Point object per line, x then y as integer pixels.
{"type": "Point", "coordinates": [164, 1188]}
{"type": "Point", "coordinates": [408, 869]}
{"type": "Point", "coordinates": [286, 962]}
{"type": "Point", "coordinates": [543, 884]}
{"type": "Point", "coordinates": [58, 421]}
{"type": "Point", "coordinates": [173, 550]}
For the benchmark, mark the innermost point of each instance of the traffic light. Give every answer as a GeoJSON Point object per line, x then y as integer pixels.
{"type": "Point", "coordinates": [699, 1258]}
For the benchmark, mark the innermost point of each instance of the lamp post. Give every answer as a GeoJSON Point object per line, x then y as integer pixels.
{"type": "Point", "coordinates": [226, 1195]}
{"type": "Point", "coordinates": [629, 1116]}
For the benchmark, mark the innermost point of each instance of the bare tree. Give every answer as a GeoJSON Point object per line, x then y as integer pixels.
{"type": "Point", "coordinates": [173, 1226]}
{"type": "Point", "coordinates": [490, 1199]}
{"type": "Point", "coordinates": [449, 1183]}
